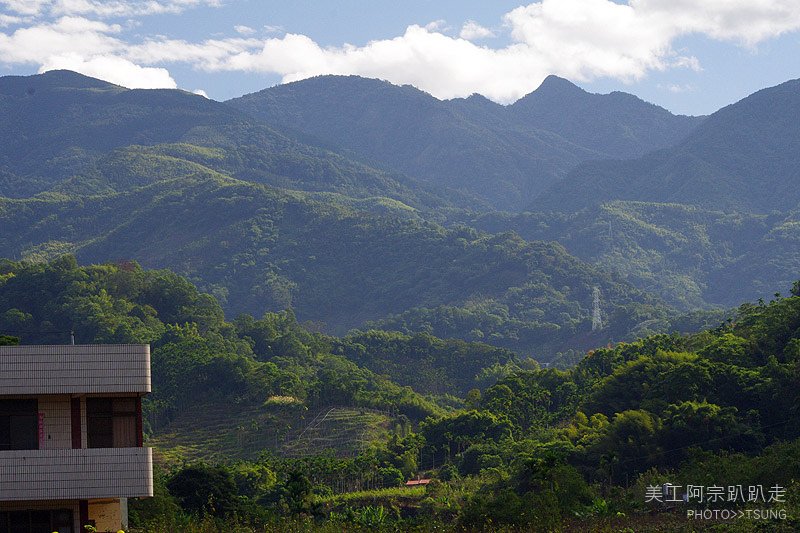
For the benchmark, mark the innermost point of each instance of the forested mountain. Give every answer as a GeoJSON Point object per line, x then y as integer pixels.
{"type": "Point", "coordinates": [690, 256]}
{"type": "Point", "coordinates": [68, 133]}
{"type": "Point", "coordinates": [453, 303]}
{"type": "Point", "coordinates": [265, 221]}
{"type": "Point", "coordinates": [503, 155]}
{"type": "Point", "coordinates": [262, 249]}
{"type": "Point", "coordinates": [615, 126]}
{"type": "Point", "coordinates": [744, 157]}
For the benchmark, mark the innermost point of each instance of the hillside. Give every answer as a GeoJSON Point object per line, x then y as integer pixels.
{"type": "Point", "coordinates": [72, 134]}
{"type": "Point", "coordinates": [504, 156]}
{"type": "Point", "coordinates": [260, 249]}
{"type": "Point", "coordinates": [546, 447]}
{"type": "Point", "coordinates": [616, 125]}
{"type": "Point", "coordinates": [692, 257]}
{"type": "Point", "coordinates": [271, 369]}
{"type": "Point", "coordinates": [744, 157]}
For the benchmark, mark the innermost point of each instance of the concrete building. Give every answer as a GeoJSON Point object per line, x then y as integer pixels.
{"type": "Point", "coordinates": [71, 436]}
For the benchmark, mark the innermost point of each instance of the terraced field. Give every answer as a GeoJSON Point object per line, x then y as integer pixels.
{"type": "Point", "coordinates": [215, 432]}
{"type": "Point", "coordinates": [343, 430]}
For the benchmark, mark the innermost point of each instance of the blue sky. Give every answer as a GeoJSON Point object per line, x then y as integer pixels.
{"type": "Point", "coordinates": [689, 56]}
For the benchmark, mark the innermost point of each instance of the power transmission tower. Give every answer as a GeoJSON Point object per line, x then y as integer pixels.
{"type": "Point", "coordinates": [597, 318]}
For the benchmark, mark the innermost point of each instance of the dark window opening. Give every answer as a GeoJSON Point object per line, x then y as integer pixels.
{"type": "Point", "coordinates": [111, 422]}
{"type": "Point", "coordinates": [38, 521]}
{"type": "Point", "coordinates": [19, 427]}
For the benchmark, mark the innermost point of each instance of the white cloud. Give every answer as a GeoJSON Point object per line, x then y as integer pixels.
{"type": "Point", "coordinates": [201, 92]}
{"type": "Point", "coordinates": [90, 47]}
{"type": "Point", "coordinates": [113, 69]}
{"type": "Point", "coordinates": [746, 21]}
{"type": "Point", "coordinates": [9, 20]}
{"type": "Point", "coordinates": [68, 35]}
{"type": "Point", "coordinates": [437, 25]}
{"type": "Point", "coordinates": [24, 7]}
{"type": "Point", "coordinates": [690, 62]}
{"type": "Point", "coordinates": [244, 30]}
{"type": "Point", "coordinates": [577, 39]}
{"type": "Point", "coordinates": [472, 31]}
{"type": "Point", "coordinates": [213, 54]}
{"type": "Point", "coordinates": [677, 88]}
{"type": "Point", "coordinates": [104, 8]}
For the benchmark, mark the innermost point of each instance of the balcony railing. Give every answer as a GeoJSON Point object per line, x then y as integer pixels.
{"type": "Point", "coordinates": [81, 369]}
{"type": "Point", "coordinates": [78, 474]}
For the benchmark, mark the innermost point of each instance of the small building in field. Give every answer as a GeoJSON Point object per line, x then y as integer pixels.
{"type": "Point", "coordinates": [71, 450]}
{"type": "Point", "coordinates": [417, 482]}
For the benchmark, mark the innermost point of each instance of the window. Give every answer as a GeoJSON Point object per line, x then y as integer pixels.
{"type": "Point", "coordinates": [111, 422]}
{"type": "Point", "coordinates": [36, 521]}
{"type": "Point", "coordinates": [19, 428]}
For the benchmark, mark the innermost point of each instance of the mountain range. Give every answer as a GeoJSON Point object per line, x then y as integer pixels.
{"type": "Point", "coordinates": [505, 156]}
{"type": "Point", "coordinates": [359, 203]}
{"type": "Point", "coordinates": [744, 157]}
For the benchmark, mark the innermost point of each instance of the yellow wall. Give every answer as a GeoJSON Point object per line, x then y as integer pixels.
{"type": "Point", "coordinates": [107, 515]}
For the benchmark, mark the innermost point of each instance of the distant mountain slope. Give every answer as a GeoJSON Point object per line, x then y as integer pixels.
{"type": "Point", "coordinates": [259, 249]}
{"type": "Point", "coordinates": [503, 155]}
{"type": "Point", "coordinates": [744, 157]}
{"type": "Point", "coordinates": [692, 257]}
{"type": "Point", "coordinates": [617, 125]}
{"type": "Point", "coordinates": [61, 127]}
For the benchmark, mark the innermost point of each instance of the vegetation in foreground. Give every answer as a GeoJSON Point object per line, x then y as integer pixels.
{"type": "Point", "coordinates": [537, 449]}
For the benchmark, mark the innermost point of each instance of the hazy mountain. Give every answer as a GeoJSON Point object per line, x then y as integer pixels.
{"type": "Point", "coordinates": [692, 257]}
{"type": "Point", "coordinates": [505, 155]}
{"type": "Point", "coordinates": [259, 249]}
{"type": "Point", "coordinates": [265, 220]}
{"type": "Point", "coordinates": [62, 130]}
{"type": "Point", "coordinates": [746, 157]}
{"type": "Point", "coordinates": [616, 125]}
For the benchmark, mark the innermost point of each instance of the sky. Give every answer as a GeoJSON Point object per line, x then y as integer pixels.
{"type": "Point", "coordinates": [689, 56]}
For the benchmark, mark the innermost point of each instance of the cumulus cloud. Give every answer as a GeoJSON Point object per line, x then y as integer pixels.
{"type": "Point", "coordinates": [577, 39]}
{"type": "Point", "coordinates": [90, 47]}
{"type": "Point", "coordinates": [113, 69]}
{"type": "Point", "coordinates": [201, 92]}
{"type": "Point", "coordinates": [68, 35]}
{"type": "Point", "coordinates": [437, 25]}
{"type": "Point", "coordinates": [472, 31]}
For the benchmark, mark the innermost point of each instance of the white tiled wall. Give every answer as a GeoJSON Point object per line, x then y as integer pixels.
{"type": "Point", "coordinates": [57, 422]}
{"type": "Point", "coordinates": [76, 474]}
{"type": "Point", "coordinates": [35, 370]}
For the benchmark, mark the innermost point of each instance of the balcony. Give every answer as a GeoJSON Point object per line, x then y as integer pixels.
{"type": "Point", "coordinates": [79, 474]}
{"type": "Point", "coordinates": [82, 369]}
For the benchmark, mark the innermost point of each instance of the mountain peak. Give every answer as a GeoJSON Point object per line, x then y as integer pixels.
{"type": "Point", "coordinates": [53, 79]}
{"type": "Point", "coordinates": [555, 84]}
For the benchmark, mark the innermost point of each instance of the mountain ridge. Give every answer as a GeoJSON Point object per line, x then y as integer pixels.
{"type": "Point", "coordinates": [743, 157]}
{"type": "Point", "coordinates": [505, 155]}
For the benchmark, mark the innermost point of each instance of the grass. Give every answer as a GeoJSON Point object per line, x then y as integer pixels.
{"type": "Point", "coordinates": [393, 493]}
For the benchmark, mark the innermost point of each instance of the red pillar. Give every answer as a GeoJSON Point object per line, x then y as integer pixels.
{"type": "Point", "coordinates": [77, 442]}
{"type": "Point", "coordinates": [139, 423]}
{"type": "Point", "coordinates": [83, 513]}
